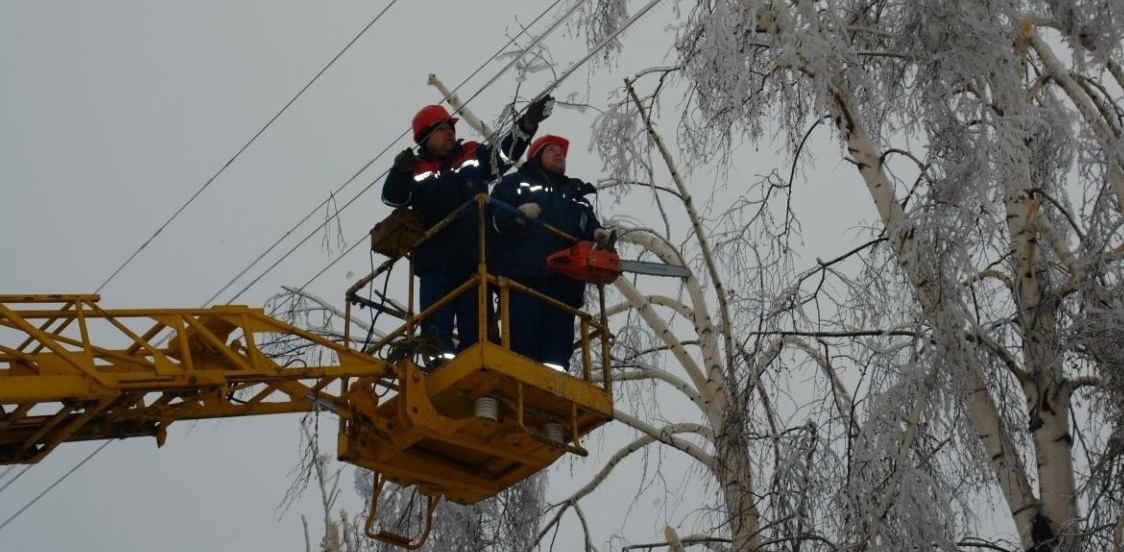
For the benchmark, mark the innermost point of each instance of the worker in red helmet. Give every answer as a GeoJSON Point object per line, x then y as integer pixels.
{"type": "Point", "coordinates": [435, 180]}
{"type": "Point", "coordinates": [540, 190]}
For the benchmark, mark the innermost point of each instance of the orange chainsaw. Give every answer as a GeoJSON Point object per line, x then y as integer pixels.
{"type": "Point", "coordinates": [588, 262]}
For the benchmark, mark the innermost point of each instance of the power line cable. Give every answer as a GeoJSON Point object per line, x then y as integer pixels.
{"type": "Point", "coordinates": [298, 225]}
{"type": "Point", "coordinates": [252, 139]}
{"type": "Point", "coordinates": [553, 85]}
{"type": "Point", "coordinates": [368, 164]}
{"type": "Point", "coordinates": [184, 206]}
{"type": "Point", "coordinates": [303, 220]}
{"type": "Point", "coordinates": [15, 477]}
{"type": "Point", "coordinates": [604, 42]}
{"type": "Point", "coordinates": [515, 59]}
{"type": "Point", "coordinates": [53, 485]}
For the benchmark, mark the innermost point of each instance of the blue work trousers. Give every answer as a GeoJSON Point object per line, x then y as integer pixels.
{"type": "Point", "coordinates": [540, 331]}
{"type": "Point", "coordinates": [461, 313]}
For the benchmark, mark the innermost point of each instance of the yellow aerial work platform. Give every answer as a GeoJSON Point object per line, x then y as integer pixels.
{"type": "Point", "coordinates": [71, 370]}
{"type": "Point", "coordinates": [481, 423]}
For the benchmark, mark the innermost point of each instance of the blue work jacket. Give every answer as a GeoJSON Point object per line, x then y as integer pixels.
{"type": "Point", "coordinates": [438, 186]}
{"type": "Point", "coordinates": [521, 246]}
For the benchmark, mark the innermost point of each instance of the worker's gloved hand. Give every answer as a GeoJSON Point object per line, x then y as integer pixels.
{"type": "Point", "coordinates": [585, 188]}
{"type": "Point", "coordinates": [406, 161]}
{"type": "Point", "coordinates": [539, 110]}
{"type": "Point", "coordinates": [603, 237]}
{"type": "Point", "coordinates": [530, 210]}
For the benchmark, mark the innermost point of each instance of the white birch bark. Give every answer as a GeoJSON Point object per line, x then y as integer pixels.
{"type": "Point", "coordinates": [984, 416]}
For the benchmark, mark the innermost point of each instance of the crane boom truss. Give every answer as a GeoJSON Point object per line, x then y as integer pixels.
{"type": "Point", "coordinates": [80, 372]}
{"type": "Point", "coordinates": [485, 420]}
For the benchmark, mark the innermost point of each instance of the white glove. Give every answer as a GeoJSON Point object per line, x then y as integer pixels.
{"type": "Point", "coordinates": [530, 210]}
{"type": "Point", "coordinates": [602, 236]}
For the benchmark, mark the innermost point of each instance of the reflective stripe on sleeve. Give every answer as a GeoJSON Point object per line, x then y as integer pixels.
{"type": "Point", "coordinates": [530, 188]}
{"type": "Point", "coordinates": [431, 174]}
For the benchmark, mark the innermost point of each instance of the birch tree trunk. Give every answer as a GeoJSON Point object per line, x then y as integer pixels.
{"type": "Point", "coordinates": [990, 293]}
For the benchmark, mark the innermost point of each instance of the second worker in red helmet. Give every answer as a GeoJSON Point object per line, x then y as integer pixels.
{"type": "Point", "coordinates": [435, 181]}
{"type": "Point", "coordinates": [541, 190]}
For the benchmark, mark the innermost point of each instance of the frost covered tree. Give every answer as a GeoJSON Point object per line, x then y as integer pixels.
{"type": "Point", "coordinates": [507, 522]}
{"type": "Point", "coordinates": [970, 349]}
{"type": "Point", "coordinates": [964, 356]}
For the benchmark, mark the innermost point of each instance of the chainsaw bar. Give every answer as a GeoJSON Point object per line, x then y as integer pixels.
{"type": "Point", "coordinates": [655, 269]}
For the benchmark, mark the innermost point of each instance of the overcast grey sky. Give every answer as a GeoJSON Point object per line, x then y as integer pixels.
{"type": "Point", "coordinates": [115, 112]}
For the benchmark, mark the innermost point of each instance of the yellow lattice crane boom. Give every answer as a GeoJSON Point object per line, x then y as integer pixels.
{"type": "Point", "coordinates": [71, 370]}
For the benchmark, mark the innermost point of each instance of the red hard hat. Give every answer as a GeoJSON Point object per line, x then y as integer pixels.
{"type": "Point", "coordinates": [428, 116]}
{"type": "Point", "coordinates": [545, 140]}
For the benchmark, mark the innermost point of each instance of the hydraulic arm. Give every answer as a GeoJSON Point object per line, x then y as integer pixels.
{"type": "Point", "coordinates": [70, 370]}
{"type": "Point", "coordinates": [483, 421]}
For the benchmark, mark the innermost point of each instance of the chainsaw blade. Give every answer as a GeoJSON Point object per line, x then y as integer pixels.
{"type": "Point", "coordinates": [655, 269]}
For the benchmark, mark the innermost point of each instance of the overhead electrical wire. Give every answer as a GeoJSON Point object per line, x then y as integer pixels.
{"type": "Point", "coordinates": [180, 210]}
{"type": "Point", "coordinates": [496, 77]}
{"type": "Point", "coordinates": [53, 485]}
{"type": "Point", "coordinates": [368, 164]}
{"type": "Point", "coordinates": [311, 213]}
{"type": "Point", "coordinates": [13, 479]}
{"type": "Point", "coordinates": [238, 153]}
{"type": "Point", "coordinates": [593, 51]}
